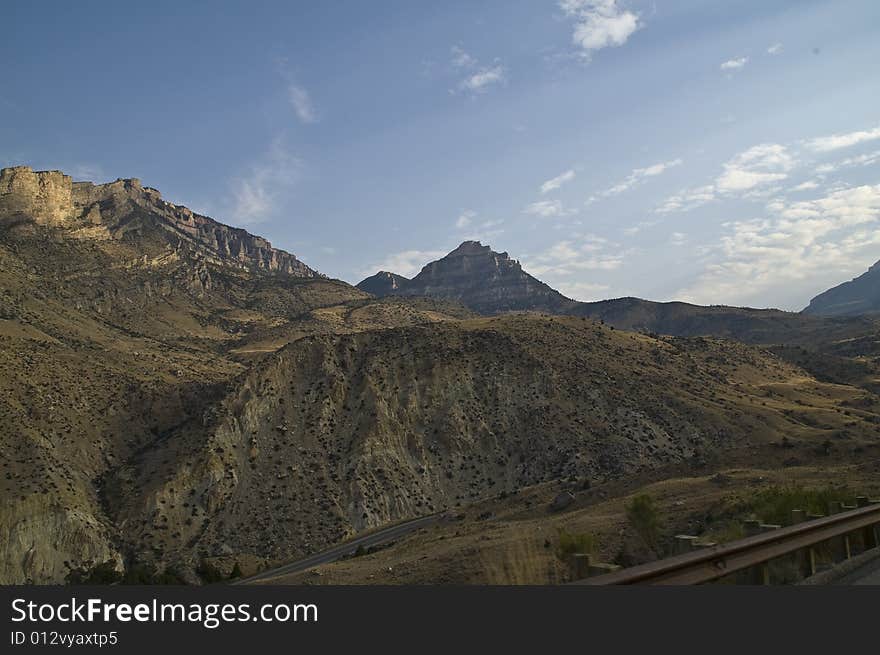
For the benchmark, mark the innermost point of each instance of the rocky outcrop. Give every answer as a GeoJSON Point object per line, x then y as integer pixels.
{"type": "Point", "coordinates": [127, 210]}
{"type": "Point", "coordinates": [44, 196]}
{"type": "Point", "coordinates": [42, 541]}
{"type": "Point", "coordinates": [486, 281]}
{"type": "Point", "coordinates": [858, 296]}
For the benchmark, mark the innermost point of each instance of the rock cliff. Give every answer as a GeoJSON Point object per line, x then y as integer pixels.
{"type": "Point", "coordinates": [126, 210]}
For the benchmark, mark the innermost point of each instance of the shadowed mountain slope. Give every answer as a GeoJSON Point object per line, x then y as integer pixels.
{"type": "Point", "coordinates": [858, 296]}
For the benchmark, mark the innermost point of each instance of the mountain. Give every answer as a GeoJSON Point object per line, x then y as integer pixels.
{"type": "Point", "coordinates": [383, 283]}
{"type": "Point", "coordinates": [128, 212]}
{"type": "Point", "coordinates": [488, 282]}
{"type": "Point", "coordinates": [177, 396]}
{"type": "Point", "coordinates": [334, 434]}
{"type": "Point", "coordinates": [492, 283]}
{"type": "Point", "coordinates": [858, 296]}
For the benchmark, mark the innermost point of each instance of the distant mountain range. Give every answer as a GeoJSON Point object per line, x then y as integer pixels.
{"type": "Point", "coordinates": [490, 283]}
{"type": "Point", "coordinates": [486, 281]}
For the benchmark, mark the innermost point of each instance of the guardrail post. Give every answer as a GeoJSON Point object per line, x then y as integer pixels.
{"type": "Point", "coordinates": [762, 574]}
{"type": "Point", "coordinates": [834, 507]}
{"type": "Point", "coordinates": [798, 516]}
{"type": "Point", "coordinates": [684, 543]}
{"type": "Point", "coordinates": [580, 565]}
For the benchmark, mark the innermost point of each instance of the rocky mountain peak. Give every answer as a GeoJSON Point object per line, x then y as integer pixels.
{"type": "Point", "coordinates": [383, 283]}
{"type": "Point", "coordinates": [486, 281]}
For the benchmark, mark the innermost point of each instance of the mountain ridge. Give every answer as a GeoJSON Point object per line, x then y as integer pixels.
{"type": "Point", "coordinates": [861, 295]}
{"type": "Point", "coordinates": [125, 210]}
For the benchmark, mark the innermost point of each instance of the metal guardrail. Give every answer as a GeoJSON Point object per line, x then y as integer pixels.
{"type": "Point", "coordinates": [719, 561]}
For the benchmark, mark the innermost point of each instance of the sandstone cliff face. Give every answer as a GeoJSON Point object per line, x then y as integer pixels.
{"type": "Point", "coordinates": [486, 281]}
{"type": "Point", "coordinates": [126, 210]}
{"type": "Point", "coordinates": [46, 196]}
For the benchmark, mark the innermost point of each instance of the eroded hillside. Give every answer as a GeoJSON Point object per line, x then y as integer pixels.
{"type": "Point", "coordinates": [334, 434]}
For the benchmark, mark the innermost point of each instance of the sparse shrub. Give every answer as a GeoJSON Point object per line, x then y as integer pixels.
{"type": "Point", "coordinates": [643, 517]}
{"type": "Point", "coordinates": [572, 543]}
{"type": "Point", "coordinates": [774, 505]}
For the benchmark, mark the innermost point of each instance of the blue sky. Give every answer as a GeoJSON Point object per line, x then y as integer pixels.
{"type": "Point", "coordinates": [716, 152]}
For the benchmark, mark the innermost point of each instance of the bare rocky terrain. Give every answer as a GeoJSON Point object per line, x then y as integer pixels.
{"type": "Point", "coordinates": [176, 393]}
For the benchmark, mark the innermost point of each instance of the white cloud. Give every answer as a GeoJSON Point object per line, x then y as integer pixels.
{"type": "Point", "coordinates": [599, 24]}
{"type": "Point", "coordinates": [464, 219]}
{"type": "Point", "coordinates": [480, 230]}
{"type": "Point", "coordinates": [461, 59]}
{"type": "Point", "coordinates": [746, 173]}
{"type": "Point", "coordinates": [734, 64]}
{"type": "Point", "coordinates": [687, 199]}
{"type": "Point", "coordinates": [798, 243]}
{"type": "Point", "coordinates": [806, 186]}
{"type": "Point", "coordinates": [775, 49]}
{"type": "Point", "coordinates": [576, 254]}
{"type": "Point", "coordinates": [478, 78]}
{"type": "Point", "coordinates": [838, 141]}
{"type": "Point", "coordinates": [255, 194]}
{"type": "Point", "coordinates": [639, 174]}
{"type": "Point", "coordinates": [407, 263]}
{"type": "Point", "coordinates": [302, 103]}
{"type": "Point", "coordinates": [547, 209]}
{"type": "Point", "coordinates": [677, 239]}
{"type": "Point", "coordinates": [297, 96]}
{"type": "Point", "coordinates": [768, 162]}
{"type": "Point", "coordinates": [558, 181]}
{"type": "Point", "coordinates": [483, 78]}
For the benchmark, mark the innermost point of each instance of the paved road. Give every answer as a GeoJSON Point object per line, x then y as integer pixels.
{"type": "Point", "coordinates": [338, 552]}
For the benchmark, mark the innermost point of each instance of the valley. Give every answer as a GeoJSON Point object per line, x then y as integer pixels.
{"type": "Point", "coordinates": [178, 397]}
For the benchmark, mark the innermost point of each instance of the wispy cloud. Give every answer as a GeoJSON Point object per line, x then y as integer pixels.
{"type": "Point", "coordinates": [775, 49]}
{"type": "Point", "coordinates": [462, 59]}
{"type": "Point", "coordinates": [256, 193]}
{"type": "Point", "coordinates": [483, 78]}
{"type": "Point", "coordinates": [465, 218]}
{"type": "Point", "coordinates": [478, 78]}
{"type": "Point", "coordinates": [558, 181]}
{"type": "Point", "coordinates": [575, 255]}
{"type": "Point", "coordinates": [297, 95]}
{"type": "Point", "coordinates": [599, 24]}
{"type": "Point", "coordinates": [761, 164]}
{"type": "Point", "coordinates": [638, 175]}
{"type": "Point", "coordinates": [548, 209]}
{"type": "Point", "coordinates": [302, 103]}
{"type": "Point", "coordinates": [749, 170]}
{"type": "Point", "coordinates": [838, 141]}
{"type": "Point", "coordinates": [734, 64]}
